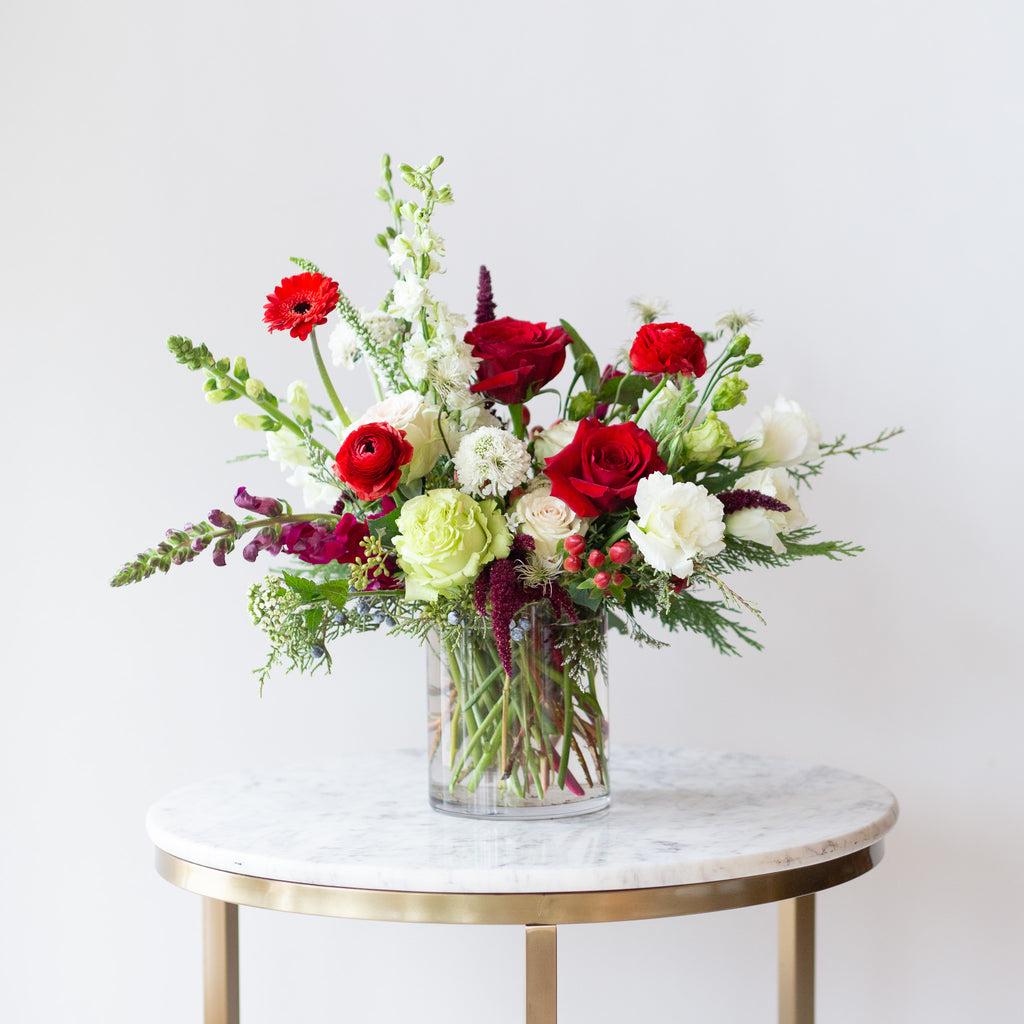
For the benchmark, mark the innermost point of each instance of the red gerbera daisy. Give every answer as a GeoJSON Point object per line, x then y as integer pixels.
{"type": "Point", "coordinates": [300, 303]}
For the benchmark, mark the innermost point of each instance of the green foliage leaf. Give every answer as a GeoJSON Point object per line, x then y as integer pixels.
{"type": "Point", "coordinates": [586, 364]}
{"type": "Point", "coordinates": [385, 528]}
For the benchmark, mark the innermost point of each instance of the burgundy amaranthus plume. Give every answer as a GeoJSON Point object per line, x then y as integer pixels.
{"type": "Point", "coordinates": [500, 581]}
{"type": "Point", "coordinates": [484, 298]}
{"type": "Point", "coordinates": [735, 501]}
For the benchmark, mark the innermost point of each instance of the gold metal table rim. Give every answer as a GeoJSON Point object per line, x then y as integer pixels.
{"type": "Point", "coordinates": [551, 908]}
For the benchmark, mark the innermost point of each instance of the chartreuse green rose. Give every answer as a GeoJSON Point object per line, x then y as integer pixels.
{"type": "Point", "coordinates": [445, 538]}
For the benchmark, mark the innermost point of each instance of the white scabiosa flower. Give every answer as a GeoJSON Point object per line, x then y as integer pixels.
{"type": "Point", "coordinates": [782, 435]}
{"type": "Point", "coordinates": [490, 462]}
{"type": "Point", "coordinates": [678, 522]}
{"type": "Point", "coordinates": [547, 519]}
{"type": "Point", "coordinates": [764, 525]}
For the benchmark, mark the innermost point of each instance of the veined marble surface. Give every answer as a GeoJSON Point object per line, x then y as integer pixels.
{"type": "Point", "coordinates": [676, 817]}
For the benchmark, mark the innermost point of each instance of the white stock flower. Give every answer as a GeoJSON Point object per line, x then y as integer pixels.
{"type": "Point", "coordinates": [783, 435]}
{"type": "Point", "coordinates": [410, 412]}
{"type": "Point", "coordinates": [408, 298]}
{"type": "Point", "coordinates": [763, 525]}
{"type": "Point", "coordinates": [551, 441]}
{"type": "Point", "coordinates": [678, 522]}
{"type": "Point", "coordinates": [490, 462]}
{"type": "Point", "coordinates": [548, 520]}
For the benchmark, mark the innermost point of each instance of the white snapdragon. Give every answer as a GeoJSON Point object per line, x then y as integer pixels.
{"type": "Point", "coordinates": [298, 400]}
{"type": "Point", "coordinates": [782, 435]}
{"type": "Point", "coordinates": [409, 411]}
{"type": "Point", "coordinates": [762, 525]}
{"type": "Point", "coordinates": [490, 462]}
{"type": "Point", "coordinates": [289, 451]}
{"type": "Point", "coordinates": [678, 523]}
{"type": "Point", "coordinates": [545, 518]}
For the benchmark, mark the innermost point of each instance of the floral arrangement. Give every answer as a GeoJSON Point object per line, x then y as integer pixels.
{"type": "Point", "coordinates": [446, 508]}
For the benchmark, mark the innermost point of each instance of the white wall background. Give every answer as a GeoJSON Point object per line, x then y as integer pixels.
{"type": "Point", "coordinates": [850, 172]}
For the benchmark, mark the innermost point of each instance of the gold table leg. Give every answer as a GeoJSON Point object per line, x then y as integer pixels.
{"type": "Point", "coordinates": [220, 962]}
{"type": "Point", "coordinates": [541, 974]}
{"type": "Point", "coordinates": [796, 960]}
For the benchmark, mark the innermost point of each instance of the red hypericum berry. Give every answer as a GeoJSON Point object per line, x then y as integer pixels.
{"type": "Point", "coordinates": [572, 563]}
{"type": "Point", "coordinates": [574, 544]}
{"type": "Point", "coordinates": [620, 552]}
{"type": "Point", "coordinates": [679, 585]}
{"type": "Point", "coordinates": [595, 559]}
{"type": "Point", "coordinates": [617, 578]}
{"type": "Point", "coordinates": [601, 580]}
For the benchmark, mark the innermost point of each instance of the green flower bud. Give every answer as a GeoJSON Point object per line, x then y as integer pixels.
{"type": "Point", "coordinates": [706, 443]}
{"type": "Point", "coordinates": [739, 346]}
{"type": "Point", "coordinates": [382, 195]}
{"type": "Point", "coordinates": [241, 368]}
{"type": "Point", "coordinates": [245, 421]}
{"type": "Point", "coordinates": [753, 360]}
{"type": "Point", "coordinates": [382, 241]}
{"type": "Point", "coordinates": [729, 393]}
{"type": "Point", "coordinates": [254, 388]}
{"type": "Point", "coordinates": [582, 405]}
{"type": "Point", "coordinates": [217, 395]}
{"type": "Point", "coordinates": [210, 384]}
{"type": "Point", "coordinates": [223, 365]}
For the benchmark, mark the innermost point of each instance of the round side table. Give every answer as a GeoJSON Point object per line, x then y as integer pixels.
{"type": "Point", "coordinates": [688, 832]}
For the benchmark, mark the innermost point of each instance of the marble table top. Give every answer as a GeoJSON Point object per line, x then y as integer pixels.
{"type": "Point", "coordinates": [676, 817]}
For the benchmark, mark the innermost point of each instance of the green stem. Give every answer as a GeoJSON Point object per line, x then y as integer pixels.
{"type": "Point", "coordinates": [516, 412]}
{"type": "Point", "coordinates": [329, 387]}
{"type": "Point", "coordinates": [651, 396]}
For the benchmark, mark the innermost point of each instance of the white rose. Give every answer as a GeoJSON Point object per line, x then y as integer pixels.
{"type": "Point", "coordinates": [783, 435]}
{"type": "Point", "coordinates": [678, 522]}
{"type": "Point", "coordinates": [551, 441]}
{"type": "Point", "coordinates": [409, 411]}
{"type": "Point", "coordinates": [548, 520]}
{"type": "Point", "coordinates": [763, 525]}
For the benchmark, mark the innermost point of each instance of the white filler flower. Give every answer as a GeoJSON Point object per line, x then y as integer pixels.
{"type": "Point", "coordinates": [678, 522]}
{"type": "Point", "coordinates": [490, 462]}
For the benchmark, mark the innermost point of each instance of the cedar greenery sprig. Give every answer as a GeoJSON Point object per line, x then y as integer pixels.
{"type": "Point", "coordinates": [802, 474]}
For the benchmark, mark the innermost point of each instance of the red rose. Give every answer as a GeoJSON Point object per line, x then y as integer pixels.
{"type": "Point", "coordinates": [598, 470]}
{"type": "Point", "coordinates": [668, 348]}
{"type": "Point", "coordinates": [371, 458]}
{"type": "Point", "coordinates": [517, 358]}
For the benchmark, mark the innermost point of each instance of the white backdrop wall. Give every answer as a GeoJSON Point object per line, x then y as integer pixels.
{"type": "Point", "coordinates": [850, 172]}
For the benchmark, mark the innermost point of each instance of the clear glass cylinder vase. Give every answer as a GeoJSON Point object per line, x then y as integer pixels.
{"type": "Point", "coordinates": [529, 744]}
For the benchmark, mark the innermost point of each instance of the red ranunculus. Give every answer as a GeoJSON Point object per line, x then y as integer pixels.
{"type": "Point", "coordinates": [371, 458]}
{"type": "Point", "coordinates": [517, 358]}
{"type": "Point", "coordinates": [300, 303]}
{"type": "Point", "coordinates": [668, 348]}
{"type": "Point", "coordinates": [598, 470]}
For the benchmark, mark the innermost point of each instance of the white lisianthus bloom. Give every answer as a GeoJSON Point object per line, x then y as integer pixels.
{"type": "Point", "coordinates": [678, 522]}
{"type": "Point", "coordinates": [662, 402]}
{"type": "Point", "coordinates": [490, 462]}
{"type": "Point", "coordinates": [763, 525]}
{"type": "Point", "coordinates": [548, 520]}
{"type": "Point", "coordinates": [783, 435]}
{"type": "Point", "coordinates": [409, 411]}
{"type": "Point", "coordinates": [408, 297]}
{"type": "Point", "coordinates": [551, 441]}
